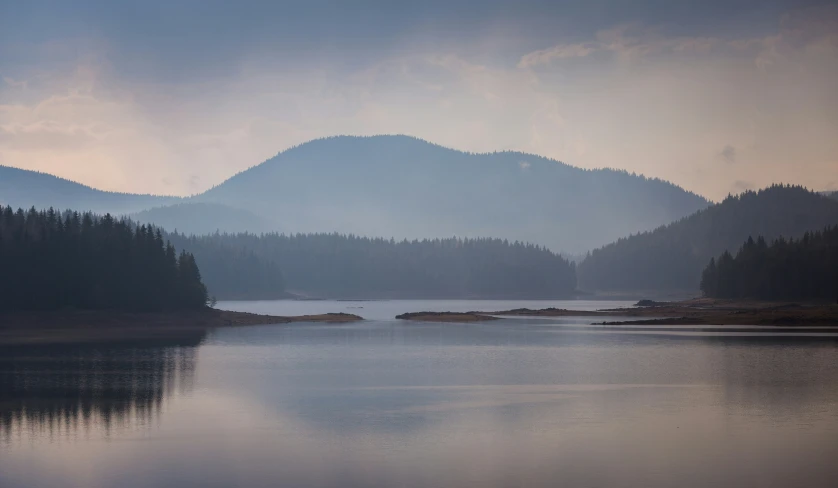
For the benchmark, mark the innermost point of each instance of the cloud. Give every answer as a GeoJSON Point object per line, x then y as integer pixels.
{"type": "Point", "coordinates": [728, 154]}
{"type": "Point", "coordinates": [627, 42]}
{"type": "Point", "coordinates": [44, 136]}
{"type": "Point", "coordinates": [650, 96]}
{"type": "Point", "coordinates": [561, 51]}
{"type": "Point", "coordinates": [15, 83]}
{"type": "Point", "coordinates": [813, 30]}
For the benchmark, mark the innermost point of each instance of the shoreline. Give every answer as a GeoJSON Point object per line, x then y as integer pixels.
{"type": "Point", "coordinates": [459, 317]}
{"type": "Point", "coordinates": [80, 326]}
{"type": "Point", "coordinates": [699, 311]}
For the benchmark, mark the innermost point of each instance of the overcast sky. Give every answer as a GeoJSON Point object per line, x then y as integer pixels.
{"type": "Point", "coordinates": [174, 96]}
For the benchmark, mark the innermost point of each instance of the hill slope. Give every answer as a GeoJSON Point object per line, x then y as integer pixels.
{"type": "Point", "coordinates": [23, 188]}
{"type": "Point", "coordinates": [205, 218]}
{"type": "Point", "coordinates": [408, 188]}
{"type": "Point", "coordinates": [672, 257]}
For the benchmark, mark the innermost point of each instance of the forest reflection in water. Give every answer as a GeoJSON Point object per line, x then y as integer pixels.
{"type": "Point", "coordinates": [61, 390]}
{"type": "Point", "coordinates": [387, 403]}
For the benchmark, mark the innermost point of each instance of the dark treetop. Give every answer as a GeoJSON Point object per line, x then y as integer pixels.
{"type": "Point", "coordinates": [801, 269]}
{"type": "Point", "coordinates": [51, 260]}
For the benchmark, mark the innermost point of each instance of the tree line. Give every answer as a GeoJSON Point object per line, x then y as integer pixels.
{"type": "Point", "coordinates": [672, 257]}
{"type": "Point", "coordinates": [347, 266]}
{"type": "Point", "coordinates": [801, 269]}
{"type": "Point", "coordinates": [233, 272]}
{"type": "Point", "coordinates": [53, 260]}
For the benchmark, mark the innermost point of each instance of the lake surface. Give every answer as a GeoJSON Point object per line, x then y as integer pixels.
{"type": "Point", "coordinates": [514, 402]}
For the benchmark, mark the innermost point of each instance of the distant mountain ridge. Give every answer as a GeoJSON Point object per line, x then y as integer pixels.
{"type": "Point", "coordinates": [405, 187]}
{"type": "Point", "coordinates": [401, 187]}
{"type": "Point", "coordinates": [24, 188]}
{"type": "Point", "coordinates": [672, 257]}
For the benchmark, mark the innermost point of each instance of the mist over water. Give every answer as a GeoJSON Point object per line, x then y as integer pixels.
{"type": "Point", "coordinates": [389, 403]}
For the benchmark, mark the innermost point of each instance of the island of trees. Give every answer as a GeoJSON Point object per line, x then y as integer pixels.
{"type": "Point", "coordinates": [795, 269]}
{"type": "Point", "coordinates": [51, 260]}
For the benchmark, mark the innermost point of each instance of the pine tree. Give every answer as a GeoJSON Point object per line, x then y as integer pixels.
{"type": "Point", "coordinates": [52, 261]}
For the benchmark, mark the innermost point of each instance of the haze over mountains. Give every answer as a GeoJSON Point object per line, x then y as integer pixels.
{"type": "Point", "coordinates": [205, 218]}
{"type": "Point", "coordinates": [23, 188]}
{"type": "Point", "coordinates": [408, 188]}
{"type": "Point", "coordinates": [396, 186]}
{"type": "Point", "coordinates": [402, 187]}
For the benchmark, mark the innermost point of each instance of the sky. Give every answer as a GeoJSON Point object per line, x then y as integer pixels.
{"type": "Point", "coordinates": [173, 97]}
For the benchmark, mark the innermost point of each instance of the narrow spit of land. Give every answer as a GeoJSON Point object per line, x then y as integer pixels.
{"type": "Point", "coordinates": [104, 326]}
{"type": "Point", "coordinates": [689, 312]}
{"type": "Point", "coordinates": [446, 317]}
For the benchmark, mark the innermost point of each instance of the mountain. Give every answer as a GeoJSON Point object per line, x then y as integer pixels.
{"type": "Point", "coordinates": [205, 218]}
{"type": "Point", "coordinates": [672, 257]}
{"type": "Point", "coordinates": [407, 188]}
{"type": "Point", "coordinates": [394, 186]}
{"type": "Point", "coordinates": [23, 188]}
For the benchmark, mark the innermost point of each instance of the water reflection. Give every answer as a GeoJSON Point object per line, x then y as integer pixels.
{"type": "Point", "coordinates": [382, 404]}
{"type": "Point", "coordinates": [60, 390]}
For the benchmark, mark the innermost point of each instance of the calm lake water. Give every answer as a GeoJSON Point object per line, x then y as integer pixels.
{"type": "Point", "coordinates": [383, 403]}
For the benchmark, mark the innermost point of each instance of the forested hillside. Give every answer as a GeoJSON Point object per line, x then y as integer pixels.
{"type": "Point", "coordinates": [408, 188]}
{"type": "Point", "coordinates": [672, 257]}
{"type": "Point", "coordinates": [26, 189]}
{"type": "Point", "coordinates": [341, 266]}
{"type": "Point", "coordinates": [51, 261]}
{"type": "Point", "coordinates": [796, 269]}
{"type": "Point", "coordinates": [232, 272]}
{"type": "Point", "coordinates": [77, 259]}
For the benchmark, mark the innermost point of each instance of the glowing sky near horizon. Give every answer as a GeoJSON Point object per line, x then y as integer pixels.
{"type": "Point", "coordinates": [174, 97]}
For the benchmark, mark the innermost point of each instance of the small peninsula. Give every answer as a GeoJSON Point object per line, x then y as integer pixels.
{"type": "Point", "coordinates": [102, 326]}
{"type": "Point", "coordinates": [80, 277]}
{"type": "Point", "coordinates": [446, 317]}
